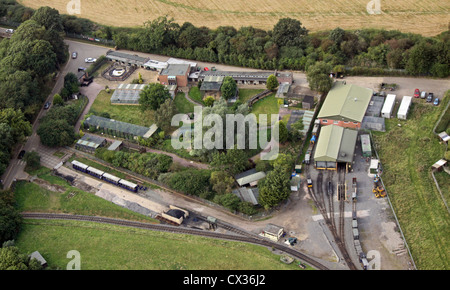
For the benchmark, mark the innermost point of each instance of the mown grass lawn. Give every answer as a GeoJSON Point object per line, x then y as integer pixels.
{"type": "Point", "coordinates": [182, 104]}
{"type": "Point", "coordinates": [407, 153]}
{"type": "Point", "coordinates": [268, 105]}
{"type": "Point", "coordinates": [107, 247]}
{"type": "Point", "coordinates": [125, 113]}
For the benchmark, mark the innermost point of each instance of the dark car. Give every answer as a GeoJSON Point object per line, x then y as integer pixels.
{"type": "Point", "coordinates": [430, 97]}
{"type": "Point", "coordinates": [47, 105]}
{"type": "Point", "coordinates": [21, 154]}
{"type": "Point", "coordinates": [416, 93]}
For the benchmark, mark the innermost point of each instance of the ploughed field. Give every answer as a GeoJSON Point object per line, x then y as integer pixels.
{"type": "Point", "coordinates": [426, 17]}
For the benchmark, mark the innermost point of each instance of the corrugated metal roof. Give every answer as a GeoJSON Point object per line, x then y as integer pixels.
{"type": "Point", "coordinates": [346, 102]}
{"type": "Point", "coordinates": [335, 144]}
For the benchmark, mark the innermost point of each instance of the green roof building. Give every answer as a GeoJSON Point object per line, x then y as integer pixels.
{"type": "Point", "coordinates": [345, 105]}
{"type": "Point", "coordinates": [335, 145]}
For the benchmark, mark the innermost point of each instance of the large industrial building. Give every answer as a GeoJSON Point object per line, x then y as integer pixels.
{"type": "Point", "coordinates": [175, 74]}
{"type": "Point", "coordinates": [335, 145]}
{"type": "Point", "coordinates": [345, 105]}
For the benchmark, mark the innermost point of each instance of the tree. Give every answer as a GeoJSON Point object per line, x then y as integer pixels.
{"type": "Point", "coordinates": [283, 134]}
{"type": "Point", "coordinates": [58, 100]}
{"type": "Point", "coordinates": [164, 114]}
{"type": "Point", "coordinates": [10, 221]}
{"type": "Point", "coordinates": [228, 88]}
{"type": "Point", "coordinates": [232, 162]}
{"type": "Point", "coordinates": [221, 182]}
{"type": "Point", "coordinates": [49, 18]}
{"type": "Point", "coordinates": [209, 101]}
{"type": "Point", "coordinates": [152, 96]}
{"type": "Point", "coordinates": [318, 77]}
{"type": "Point", "coordinates": [289, 32]}
{"type": "Point", "coordinates": [56, 133]}
{"type": "Point", "coordinates": [272, 83]}
{"type": "Point", "coordinates": [274, 188]}
{"type": "Point", "coordinates": [420, 59]}
{"type": "Point", "coordinates": [33, 160]}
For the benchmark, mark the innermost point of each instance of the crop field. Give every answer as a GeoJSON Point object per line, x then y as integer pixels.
{"type": "Point", "coordinates": [427, 17]}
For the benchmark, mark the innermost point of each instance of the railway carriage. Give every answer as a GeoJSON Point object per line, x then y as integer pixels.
{"type": "Point", "coordinates": [79, 166]}
{"type": "Point", "coordinates": [95, 172]}
{"type": "Point", "coordinates": [111, 178]}
{"type": "Point", "coordinates": [128, 185]}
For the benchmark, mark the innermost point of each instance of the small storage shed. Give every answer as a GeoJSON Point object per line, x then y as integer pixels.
{"type": "Point", "coordinates": [404, 107]}
{"type": "Point", "coordinates": [36, 255]}
{"type": "Point", "coordinates": [295, 183]}
{"type": "Point", "coordinates": [388, 107]}
{"type": "Point", "coordinates": [249, 177]}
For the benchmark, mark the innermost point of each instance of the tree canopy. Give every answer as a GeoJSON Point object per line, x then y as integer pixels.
{"type": "Point", "coordinates": [152, 96]}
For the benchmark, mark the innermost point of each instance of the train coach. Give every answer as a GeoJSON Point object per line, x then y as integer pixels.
{"type": "Point", "coordinates": [105, 176]}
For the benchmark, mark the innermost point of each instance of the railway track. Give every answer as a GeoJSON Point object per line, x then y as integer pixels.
{"type": "Point", "coordinates": [338, 232]}
{"type": "Point", "coordinates": [240, 236]}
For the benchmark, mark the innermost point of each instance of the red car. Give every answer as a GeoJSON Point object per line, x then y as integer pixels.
{"type": "Point", "coordinates": [416, 93]}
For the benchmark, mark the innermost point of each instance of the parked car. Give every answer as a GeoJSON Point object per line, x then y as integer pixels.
{"type": "Point", "coordinates": [416, 93]}
{"type": "Point", "coordinates": [90, 59]}
{"type": "Point", "coordinates": [47, 105]}
{"type": "Point", "coordinates": [430, 97]}
{"type": "Point", "coordinates": [81, 69]}
{"type": "Point", "coordinates": [74, 54]}
{"type": "Point", "coordinates": [10, 31]}
{"type": "Point", "coordinates": [21, 154]}
{"type": "Point", "coordinates": [436, 102]}
{"type": "Point", "coordinates": [423, 95]}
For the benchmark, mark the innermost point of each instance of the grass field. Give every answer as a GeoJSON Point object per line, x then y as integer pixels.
{"type": "Point", "coordinates": [427, 17]}
{"type": "Point", "coordinates": [407, 153]}
{"type": "Point", "coordinates": [125, 113]}
{"type": "Point", "coordinates": [107, 247]}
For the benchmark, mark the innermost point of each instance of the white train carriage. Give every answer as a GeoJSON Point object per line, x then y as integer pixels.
{"type": "Point", "coordinates": [128, 185]}
{"type": "Point", "coordinates": [95, 172]}
{"type": "Point", "coordinates": [79, 166]}
{"type": "Point", "coordinates": [111, 178]}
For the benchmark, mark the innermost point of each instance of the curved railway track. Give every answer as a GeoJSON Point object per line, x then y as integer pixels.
{"type": "Point", "coordinates": [240, 236]}
{"type": "Point", "coordinates": [329, 216]}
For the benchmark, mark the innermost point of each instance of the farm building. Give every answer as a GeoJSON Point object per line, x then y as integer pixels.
{"type": "Point", "coordinates": [388, 107]}
{"type": "Point", "coordinates": [247, 194]}
{"type": "Point", "coordinates": [308, 102]}
{"type": "Point", "coordinates": [365, 145]}
{"type": "Point", "coordinates": [116, 145]}
{"type": "Point", "coordinates": [127, 94]}
{"type": "Point", "coordinates": [345, 105]}
{"type": "Point", "coordinates": [335, 145]}
{"type": "Point", "coordinates": [404, 107]}
{"type": "Point", "coordinates": [90, 143]}
{"type": "Point", "coordinates": [192, 65]}
{"type": "Point", "coordinates": [272, 232]}
{"type": "Point", "coordinates": [250, 78]}
{"type": "Point", "coordinates": [375, 106]}
{"type": "Point", "coordinates": [126, 59]}
{"type": "Point", "coordinates": [212, 84]}
{"type": "Point", "coordinates": [175, 74]}
{"type": "Point", "coordinates": [249, 177]}
{"type": "Point", "coordinates": [155, 65]}
{"type": "Point", "coordinates": [118, 128]}
{"type": "Point", "coordinates": [282, 90]}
